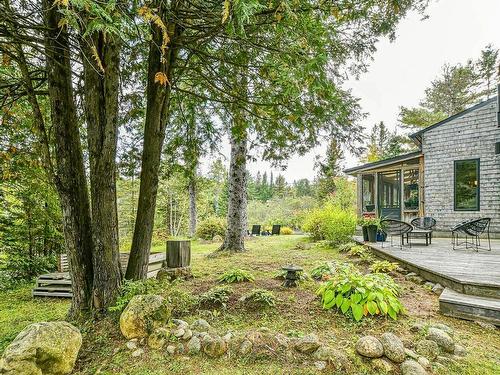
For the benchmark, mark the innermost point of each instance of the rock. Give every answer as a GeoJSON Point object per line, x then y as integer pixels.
{"type": "Point", "coordinates": [214, 346]}
{"type": "Point", "coordinates": [429, 285]}
{"type": "Point", "coordinates": [485, 325]}
{"type": "Point", "coordinates": [137, 353]}
{"type": "Point", "coordinates": [411, 367]}
{"type": "Point", "coordinates": [442, 327]}
{"type": "Point", "coordinates": [424, 362]}
{"type": "Point", "coordinates": [320, 365]}
{"type": "Point", "coordinates": [393, 347]}
{"type": "Point", "coordinates": [437, 289]}
{"type": "Point", "coordinates": [427, 348]}
{"type": "Point", "coordinates": [200, 325]}
{"type": "Point", "coordinates": [369, 346]}
{"type": "Point", "coordinates": [180, 323]}
{"type": "Point", "coordinates": [217, 238]}
{"type": "Point", "coordinates": [282, 340]}
{"type": "Point", "coordinates": [460, 351]}
{"type": "Point", "coordinates": [132, 344]}
{"type": "Point", "coordinates": [158, 338]}
{"type": "Point", "coordinates": [179, 332]}
{"type": "Point", "coordinates": [411, 354]}
{"type": "Point", "coordinates": [171, 274]}
{"type": "Point", "coordinates": [143, 313]}
{"type": "Point", "coordinates": [194, 345]}
{"type": "Point", "coordinates": [382, 365]}
{"type": "Point", "coordinates": [245, 347]}
{"type": "Point", "coordinates": [307, 344]}
{"type": "Point", "coordinates": [414, 278]}
{"type": "Point", "coordinates": [254, 336]}
{"type": "Point", "coordinates": [179, 348]}
{"type": "Point", "coordinates": [417, 327]}
{"type": "Point", "coordinates": [49, 348]}
{"type": "Point", "coordinates": [171, 349]}
{"type": "Point", "coordinates": [187, 334]}
{"type": "Point", "coordinates": [446, 361]}
{"type": "Point", "coordinates": [324, 353]}
{"type": "Point", "coordinates": [442, 339]}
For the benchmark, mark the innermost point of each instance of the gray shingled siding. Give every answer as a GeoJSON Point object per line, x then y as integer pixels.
{"type": "Point", "coordinates": [470, 136]}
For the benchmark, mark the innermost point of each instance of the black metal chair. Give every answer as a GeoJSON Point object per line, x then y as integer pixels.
{"type": "Point", "coordinates": [473, 228]}
{"type": "Point", "coordinates": [255, 230]}
{"type": "Point", "coordinates": [276, 230]}
{"type": "Point", "coordinates": [425, 223]}
{"type": "Point", "coordinates": [398, 228]}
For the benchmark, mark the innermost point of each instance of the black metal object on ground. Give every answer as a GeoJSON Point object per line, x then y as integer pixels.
{"type": "Point", "coordinates": [292, 277]}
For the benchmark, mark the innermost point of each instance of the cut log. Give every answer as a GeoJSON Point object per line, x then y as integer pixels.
{"type": "Point", "coordinates": [178, 253]}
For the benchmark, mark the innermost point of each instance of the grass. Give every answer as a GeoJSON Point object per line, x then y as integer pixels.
{"type": "Point", "coordinates": [297, 312]}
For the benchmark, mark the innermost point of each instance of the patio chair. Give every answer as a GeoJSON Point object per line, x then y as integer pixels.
{"type": "Point", "coordinates": [276, 229]}
{"type": "Point", "coordinates": [255, 230]}
{"type": "Point", "coordinates": [473, 228]}
{"type": "Point", "coordinates": [425, 223]}
{"type": "Point", "coordinates": [398, 228]}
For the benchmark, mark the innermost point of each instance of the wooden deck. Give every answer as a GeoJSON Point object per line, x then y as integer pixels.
{"type": "Point", "coordinates": [472, 278]}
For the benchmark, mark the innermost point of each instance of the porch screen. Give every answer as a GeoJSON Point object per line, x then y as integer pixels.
{"type": "Point", "coordinates": [410, 184]}
{"type": "Point", "coordinates": [368, 192]}
{"type": "Point", "coordinates": [467, 185]}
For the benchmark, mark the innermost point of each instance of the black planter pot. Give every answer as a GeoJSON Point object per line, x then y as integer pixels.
{"type": "Point", "coordinates": [372, 233]}
{"type": "Point", "coordinates": [365, 234]}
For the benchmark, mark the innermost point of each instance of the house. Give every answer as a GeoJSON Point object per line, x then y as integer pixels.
{"type": "Point", "coordinates": [454, 175]}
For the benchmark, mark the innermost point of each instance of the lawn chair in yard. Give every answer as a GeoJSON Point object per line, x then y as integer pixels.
{"type": "Point", "coordinates": [472, 229]}
{"type": "Point", "coordinates": [255, 230]}
{"type": "Point", "coordinates": [398, 228]}
{"type": "Point", "coordinates": [276, 230]}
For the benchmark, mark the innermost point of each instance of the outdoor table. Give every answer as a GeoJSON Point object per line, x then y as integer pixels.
{"type": "Point", "coordinates": [420, 233]}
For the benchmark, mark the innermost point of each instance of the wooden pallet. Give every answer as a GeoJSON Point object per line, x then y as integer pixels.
{"type": "Point", "coordinates": [58, 284]}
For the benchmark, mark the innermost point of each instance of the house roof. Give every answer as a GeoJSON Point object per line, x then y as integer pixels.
{"type": "Point", "coordinates": [385, 162]}
{"type": "Point", "coordinates": [417, 136]}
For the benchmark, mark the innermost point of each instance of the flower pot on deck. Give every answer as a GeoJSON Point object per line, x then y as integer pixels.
{"type": "Point", "coordinates": [365, 233]}
{"type": "Point", "coordinates": [381, 236]}
{"type": "Point", "coordinates": [372, 233]}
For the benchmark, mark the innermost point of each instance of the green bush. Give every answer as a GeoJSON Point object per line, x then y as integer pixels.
{"type": "Point", "coordinates": [260, 297]}
{"type": "Point", "coordinates": [357, 250]}
{"type": "Point", "coordinates": [236, 276]}
{"type": "Point", "coordinates": [216, 297]}
{"type": "Point", "coordinates": [345, 247]}
{"type": "Point", "coordinates": [330, 223]}
{"type": "Point", "coordinates": [211, 227]}
{"type": "Point", "coordinates": [130, 289]}
{"type": "Point", "coordinates": [360, 295]}
{"type": "Point", "coordinates": [383, 266]}
{"type": "Point", "coordinates": [24, 268]}
{"type": "Point", "coordinates": [286, 231]}
{"type": "Point", "coordinates": [323, 271]}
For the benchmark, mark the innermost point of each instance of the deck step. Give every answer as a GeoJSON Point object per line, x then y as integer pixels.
{"type": "Point", "coordinates": [465, 306]}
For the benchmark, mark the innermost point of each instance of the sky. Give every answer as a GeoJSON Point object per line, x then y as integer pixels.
{"type": "Point", "coordinates": [455, 31]}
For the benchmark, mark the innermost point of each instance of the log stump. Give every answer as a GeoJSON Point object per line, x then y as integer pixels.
{"type": "Point", "coordinates": [178, 262]}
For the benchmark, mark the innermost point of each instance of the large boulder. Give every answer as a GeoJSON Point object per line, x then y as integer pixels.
{"type": "Point", "coordinates": [441, 338]}
{"type": "Point", "coordinates": [46, 348]}
{"type": "Point", "coordinates": [307, 344]}
{"type": "Point", "coordinates": [393, 347]}
{"type": "Point", "coordinates": [214, 346]}
{"type": "Point", "coordinates": [427, 348]}
{"type": "Point", "coordinates": [142, 315]}
{"type": "Point", "coordinates": [411, 367]}
{"type": "Point", "coordinates": [369, 346]}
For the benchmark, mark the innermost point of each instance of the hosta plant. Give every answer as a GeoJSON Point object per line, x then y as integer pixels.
{"type": "Point", "coordinates": [359, 295]}
{"type": "Point", "coordinates": [323, 271]}
{"type": "Point", "coordinates": [357, 250]}
{"type": "Point", "coordinates": [260, 297]}
{"type": "Point", "coordinates": [344, 248]}
{"type": "Point", "coordinates": [236, 276]}
{"type": "Point", "coordinates": [281, 274]}
{"type": "Point", "coordinates": [215, 297]}
{"type": "Point", "coordinates": [383, 266]}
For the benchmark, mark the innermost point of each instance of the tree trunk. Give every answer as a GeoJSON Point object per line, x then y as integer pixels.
{"type": "Point", "coordinates": [192, 205]}
{"type": "Point", "coordinates": [157, 106]}
{"type": "Point", "coordinates": [71, 182]}
{"type": "Point", "coordinates": [101, 85]}
{"type": "Point", "coordinates": [237, 204]}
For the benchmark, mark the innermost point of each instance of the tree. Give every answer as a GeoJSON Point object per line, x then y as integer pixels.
{"type": "Point", "coordinates": [487, 67]}
{"type": "Point", "coordinates": [329, 168]}
{"type": "Point", "coordinates": [384, 144]}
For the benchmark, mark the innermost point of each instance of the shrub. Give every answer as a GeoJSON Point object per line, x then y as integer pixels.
{"type": "Point", "coordinates": [360, 295]}
{"type": "Point", "coordinates": [357, 250]}
{"type": "Point", "coordinates": [260, 297]}
{"type": "Point", "coordinates": [383, 266]}
{"type": "Point", "coordinates": [281, 274]}
{"type": "Point", "coordinates": [330, 223]}
{"type": "Point", "coordinates": [22, 267]}
{"type": "Point", "coordinates": [345, 247]}
{"type": "Point", "coordinates": [211, 227]}
{"type": "Point", "coordinates": [236, 276]}
{"type": "Point", "coordinates": [286, 231]}
{"type": "Point", "coordinates": [215, 297]}
{"type": "Point", "coordinates": [323, 271]}
{"type": "Point", "coordinates": [130, 289]}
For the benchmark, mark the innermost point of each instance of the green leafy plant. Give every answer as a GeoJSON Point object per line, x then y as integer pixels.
{"type": "Point", "coordinates": [366, 257]}
{"type": "Point", "coordinates": [323, 271]}
{"type": "Point", "coordinates": [215, 297]}
{"type": "Point", "coordinates": [360, 295]}
{"type": "Point", "coordinates": [236, 276]}
{"type": "Point", "coordinates": [383, 266]}
{"type": "Point", "coordinates": [369, 221]}
{"type": "Point", "coordinates": [281, 274]}
{"type": "Point", "coordinates": [130, 289]}
{"type": "Point", "coordinates": [330, 223]}
{"type": "Point", "coordinates": [357, 250]}
{"type": "Point", "coordinates": [345, 247]}
{"type": "Point", "coordinates": [211, 227]}
{"type": "Point", "coordinates": [286, 231]}
{"type": "Point", "coordinates": [260, 297]}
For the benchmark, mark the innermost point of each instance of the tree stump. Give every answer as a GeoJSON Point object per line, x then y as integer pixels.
{"type": "Point", "coordinates": [178, 253]}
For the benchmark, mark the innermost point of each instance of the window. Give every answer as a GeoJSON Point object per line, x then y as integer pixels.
{"type": "Point", "coordinates": [390, 186]}
{"type": "Point", "coordinates": [410, 189]}
{"type": "Point", "coordinates": [368, 192]}
{"type": "Point", "coordinates": [467, 185]}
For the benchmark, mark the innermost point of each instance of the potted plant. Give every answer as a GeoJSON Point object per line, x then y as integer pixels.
{"type": "Point", "coordinates": [361, 222]}
{"type": "Point", "coordinates": [372, 225]}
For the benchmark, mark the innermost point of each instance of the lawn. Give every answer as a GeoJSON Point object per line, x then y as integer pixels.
{"type": "Point", "coordinates": [297, 312]}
